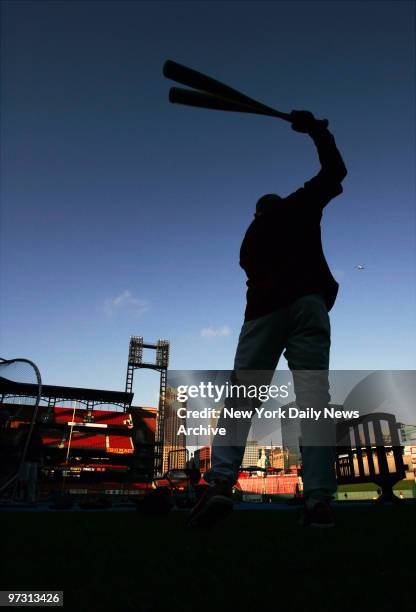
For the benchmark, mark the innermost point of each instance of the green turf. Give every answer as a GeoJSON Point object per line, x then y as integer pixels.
{"type": "Point", "coordinates": [260, 559]}
{"type": "Point", "coordinates": [400, 486]}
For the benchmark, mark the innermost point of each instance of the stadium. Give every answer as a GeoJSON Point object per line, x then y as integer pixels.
{"type": "Point", "coordinates": [93, 444]}
{"type": "Point", "coordinates": [86, 442]}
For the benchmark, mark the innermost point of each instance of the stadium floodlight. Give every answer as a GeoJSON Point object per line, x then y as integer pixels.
{"type": "Point", "coordinates": [162, 353]}
{"type": "Point", "coordinates": [136, 350]}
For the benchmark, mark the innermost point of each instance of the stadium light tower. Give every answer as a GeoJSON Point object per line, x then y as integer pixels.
{"type": "Point", "coordinates": [135, 361]}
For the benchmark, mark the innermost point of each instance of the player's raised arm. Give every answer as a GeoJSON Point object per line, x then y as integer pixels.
{"type": "Point", "coordinates": [327, 183]}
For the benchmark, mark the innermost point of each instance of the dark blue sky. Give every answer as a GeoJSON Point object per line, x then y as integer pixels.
{"type": "Point", "coordinates": [122, 214]}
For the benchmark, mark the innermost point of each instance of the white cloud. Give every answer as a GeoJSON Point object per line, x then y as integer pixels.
{"type": "Point", "coordinates": [125, 302]}
{"type": "Point", "coordinates": [215, 332]}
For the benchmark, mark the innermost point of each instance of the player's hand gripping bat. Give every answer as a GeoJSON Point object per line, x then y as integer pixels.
{"type": "Point", "coordinates": [216, 95]}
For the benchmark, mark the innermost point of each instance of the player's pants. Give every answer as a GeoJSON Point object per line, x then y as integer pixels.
{"type": "Point", "coordinates": [302, 331]}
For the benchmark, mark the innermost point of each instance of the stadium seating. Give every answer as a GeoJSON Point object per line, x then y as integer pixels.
{"type": "Point", "coordinates": [109, 418]}
{"type": "Point", "coordinates": [80, 440]}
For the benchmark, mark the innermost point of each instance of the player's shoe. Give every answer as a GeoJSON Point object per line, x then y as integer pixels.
{"type": "Point", "coordinates": [214, 505]}
{"type": "Point", "coordinates": [319, 515]}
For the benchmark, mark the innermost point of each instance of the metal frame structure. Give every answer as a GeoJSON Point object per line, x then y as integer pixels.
{"type": "Point", "coordinates": [10, 485]}
{"type": "Point", "coordinates": [52, 394]}
{"type": "Point", "coordinates": [135, 362]}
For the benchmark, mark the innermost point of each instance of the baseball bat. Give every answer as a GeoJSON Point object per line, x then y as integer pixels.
{"type": "Point", "coordinates": [223, 93]}
{"type": "Point", "coordinates": [189, 97]}
{"type": "Point", "coordinates": [197, 80]}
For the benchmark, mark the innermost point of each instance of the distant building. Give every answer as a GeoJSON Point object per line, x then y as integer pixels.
{"type": "Point", "coordinates": [174, 445]}
{"type": "Point", "coordinates": [276, 457]}
{"type": "Point", "coordinates": [202, 458]}
{"type": "Point", "coordinates": [251, 454]}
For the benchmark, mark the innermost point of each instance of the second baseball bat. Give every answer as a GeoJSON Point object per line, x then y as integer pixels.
{"type": "Point", "coordinates": [200, 99]}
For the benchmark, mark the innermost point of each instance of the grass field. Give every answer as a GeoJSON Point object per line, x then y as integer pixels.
{"type": "Point", "coordinates": [256, 560]}
{"type": "Point", "coordinates": [369, 486]}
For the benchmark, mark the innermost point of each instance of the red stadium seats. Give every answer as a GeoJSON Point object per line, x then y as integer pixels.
{"type": "Point", "coordinates": [81, 440]}
{"type": "Point", "coordinates": [100, 418]}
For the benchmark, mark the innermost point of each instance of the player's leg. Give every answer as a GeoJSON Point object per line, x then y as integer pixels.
{"type": "Point", "coordinates": [260, 345]}
{"type": "Point", "coordinates": [307, 352]}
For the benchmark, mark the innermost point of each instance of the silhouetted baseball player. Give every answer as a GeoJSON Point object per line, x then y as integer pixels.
{"type": "Point", "coordinates": [290, 291]}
